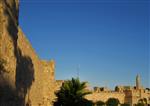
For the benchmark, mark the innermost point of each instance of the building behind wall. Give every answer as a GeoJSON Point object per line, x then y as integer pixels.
{"type": "Point", "coordinates": [125, 94]}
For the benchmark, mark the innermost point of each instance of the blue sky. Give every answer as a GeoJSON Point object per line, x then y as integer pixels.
{"type": "Point", "coordinates": [108, 40]}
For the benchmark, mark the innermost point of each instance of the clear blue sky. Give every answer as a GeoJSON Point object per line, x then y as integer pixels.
{"type": "Point", "coordinates": [109, 39]}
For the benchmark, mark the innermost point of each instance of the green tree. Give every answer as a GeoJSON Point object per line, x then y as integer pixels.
{"type": "Point", "coordinates": [72, 93]}
{"type": "Point", "coordinates": [112, 102]}
{"type": "Point", "coordinates": [100, 103]}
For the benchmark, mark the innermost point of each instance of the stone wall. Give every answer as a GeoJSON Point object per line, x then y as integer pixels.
{"type": "Point", "coordinates": [128, 95]}
{"type": "Point", "coordinates": [8, 39]}
{"type": "Point", "coordinates": [30, 77]}
{"type": "Point", "coordinates": [140, 94]}
{"type": "Point", "coordinates": [104, 96]}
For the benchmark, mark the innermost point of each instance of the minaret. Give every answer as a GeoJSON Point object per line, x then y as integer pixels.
{"type": "Point", "coordinates": [138, 82]}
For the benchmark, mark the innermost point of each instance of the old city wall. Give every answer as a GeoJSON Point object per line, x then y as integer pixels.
{"type": "Point", "coordinates": [104, 96]}
{"type": "Point", "coordinates": [43, 78]}
{"type": "Point", "coordinates": [7, 38]}
{"type": "Point", "coordinates": [48, 82]}
{"type": "Point", "coordinates": [27, 74]}
{"type": "Point", "coordinates": [140, 94]}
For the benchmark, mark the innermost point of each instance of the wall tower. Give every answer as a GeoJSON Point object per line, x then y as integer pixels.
{"type": "Point", "coordinates": [138, 82]}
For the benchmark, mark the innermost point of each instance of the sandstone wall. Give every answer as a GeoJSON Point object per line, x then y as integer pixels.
{"type": "Point", "coordinates": [140, 94]}
{"type": "Point", "coordinates": [48, 82]}
{"type": "Point", "coordinates": [104, 96]}
{"type": "Point", "coordinates": [8, 38]}
{"type": "Point", "coordinates": [32, 78]}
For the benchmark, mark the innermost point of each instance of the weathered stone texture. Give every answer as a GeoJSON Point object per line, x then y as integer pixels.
{"type": "Point", "coordinates": [7, 39]}
{"type": "Point", "coordinates": [104, 96]}
{"type": "Point", "coordinates": [32, 78]}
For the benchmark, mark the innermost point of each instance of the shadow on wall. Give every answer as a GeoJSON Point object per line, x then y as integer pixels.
{"type": "Point", "coordinates": [24, 77]}
{"type": "Point", "coordinates": [24, 66]}
{"type": "Point", "coordinates": [12, 5]}
{"type": "Point", "coordinates": [8, 95]}
{"type": "Point", "coordinates": [12, 25]}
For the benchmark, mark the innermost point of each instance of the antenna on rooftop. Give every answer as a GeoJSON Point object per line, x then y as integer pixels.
{"type": "Point", "coordinates": [78, 69]}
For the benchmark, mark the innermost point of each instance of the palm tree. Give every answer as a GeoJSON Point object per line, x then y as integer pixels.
{"type": "Point", "coordinates": [72, 93]}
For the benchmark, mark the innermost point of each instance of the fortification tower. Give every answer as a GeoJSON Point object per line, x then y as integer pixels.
{"type": "Point", "coordinates": [138, 82]}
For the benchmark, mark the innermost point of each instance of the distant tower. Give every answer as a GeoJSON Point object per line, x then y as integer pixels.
{"type": "Point", "coordinates": [138, 82]}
